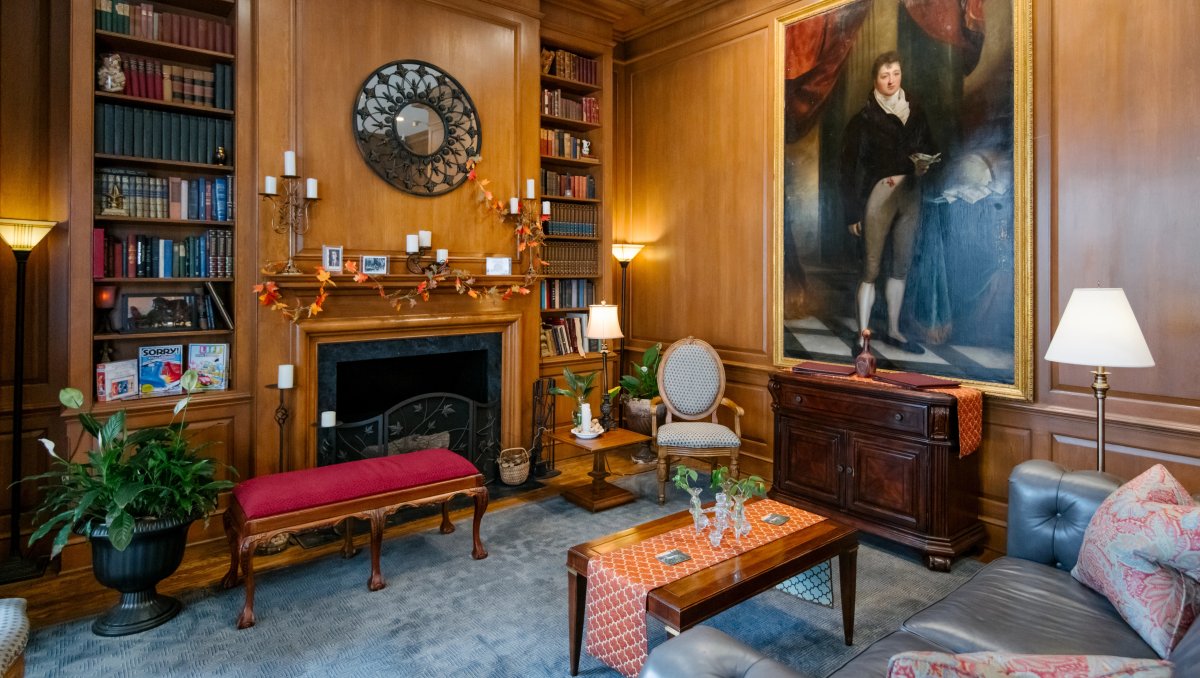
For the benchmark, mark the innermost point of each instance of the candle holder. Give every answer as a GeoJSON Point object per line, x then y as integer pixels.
{"type": "Point", "coordinates": [289, 216]}
{"type": "Point", "coordinates": [434, 267]}
{"type": "Point", "coordinates": [528, 227]}
{"type": "Point", "coordinates": [279, 542]}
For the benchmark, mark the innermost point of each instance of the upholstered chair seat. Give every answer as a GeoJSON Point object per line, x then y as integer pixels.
{"type": "Point", "coordinates": [691, 384]}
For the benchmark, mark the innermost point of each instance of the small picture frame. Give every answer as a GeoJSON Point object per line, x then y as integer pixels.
{"type": "Point", "coordinates": [331, 258]}
{"type": "Point", "coordinates": [374, 264]}
{"type": "Point", "coordinates": [498, 266]}
{"type": "Point", "coordinates": [162, 312]}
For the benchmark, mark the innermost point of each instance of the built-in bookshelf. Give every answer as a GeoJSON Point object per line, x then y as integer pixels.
{"type": "Point", "coordinates": [164, 218]}
{"type": "Point", "coordinates": [571, 145]}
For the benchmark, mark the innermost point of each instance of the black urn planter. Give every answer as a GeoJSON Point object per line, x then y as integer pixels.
{"type": "Point", "coordinates": [154, 554]}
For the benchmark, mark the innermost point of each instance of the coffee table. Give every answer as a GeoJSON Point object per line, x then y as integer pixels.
{"type": "Point", "coordinates": [599, 494]}
{"type": "Point", "coordinates": [686, 602]}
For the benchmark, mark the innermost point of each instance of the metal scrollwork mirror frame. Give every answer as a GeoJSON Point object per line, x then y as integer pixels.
{"type": "Point", "coordinates": [386, 92]}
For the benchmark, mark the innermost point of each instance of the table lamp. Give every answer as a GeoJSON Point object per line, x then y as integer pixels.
{"type": "Point", "coordinates": [1098, 328]}
{"type": "Point", "coordinates": [603, 325]}
{"type": "Point", "coordinates": [22, 235]}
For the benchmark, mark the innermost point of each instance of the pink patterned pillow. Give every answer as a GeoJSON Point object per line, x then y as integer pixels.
{"type": "Point", "coordinates": [1142, 552]}
{"type": "Point", "coordinates": [1003, 664]}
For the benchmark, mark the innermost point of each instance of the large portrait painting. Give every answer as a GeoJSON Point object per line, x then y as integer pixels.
{"type": "Point", "coordinates": [905, 187]}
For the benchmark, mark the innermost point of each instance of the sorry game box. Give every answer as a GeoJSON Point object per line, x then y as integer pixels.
{"type": "Point", "coordinates": [159, 369]}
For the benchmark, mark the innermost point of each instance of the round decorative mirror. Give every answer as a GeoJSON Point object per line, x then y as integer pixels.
{"type": "Point", "coordinates": [416, 127]}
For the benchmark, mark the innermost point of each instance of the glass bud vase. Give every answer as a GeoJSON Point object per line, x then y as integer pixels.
{"type": "Point", "coordinates": [699, 519]}
{"type": "Point", "coordinates": [741, 526]}
{"type": "Point", "coordinates": [720, 520]}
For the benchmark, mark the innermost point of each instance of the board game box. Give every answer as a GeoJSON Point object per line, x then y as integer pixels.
{"type": "Point", "coordinates": [211, 364]}
{"type": "Point", "coordinates": [160, 369]}
{"type": "Point", "coordinates": [117, 380]}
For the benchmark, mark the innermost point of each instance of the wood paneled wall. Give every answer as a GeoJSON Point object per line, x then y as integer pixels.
{"type": "Point", "coordinates": [1115, 157]}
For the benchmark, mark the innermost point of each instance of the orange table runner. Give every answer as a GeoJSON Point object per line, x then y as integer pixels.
{"type": "Point", "coordinates": [970, 410]}
{"type": "Point", "coordinates": [619, 582]}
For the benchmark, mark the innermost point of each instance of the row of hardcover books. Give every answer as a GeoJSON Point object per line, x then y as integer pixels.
{"type": "Point", "coordinates": [583, 109]}
{"type": "Point", "coordinates": [571, 66]}
{"type": "Point", "coordinates": [567, 293]}
{"type": "Point", "coordinates": [568, 185]}
{"type": "Point", "coordinates": [147, 197]}
{"type": "Point", "coordinates": [158, 371]}
{"type": "Point", "coordinates": [161, 135]}
{"type": "Point", "coordinates": [571, 258]}
{"type": "Point", "coordinates": [209, 255]}
{"type": "Point", "coordinates": [152, 79]}
{"type": "Point", "coordinates": [570, 219]}
{"type": "Point", "coordinates": [564, 144]}
{"type": "Point", "coordinates": [141, 20]}
{"type": "Point", "coordinates": [567, 335]}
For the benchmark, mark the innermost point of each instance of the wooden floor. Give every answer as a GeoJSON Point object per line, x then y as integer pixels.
{"type": "Point", "coordinates": [62, 597]}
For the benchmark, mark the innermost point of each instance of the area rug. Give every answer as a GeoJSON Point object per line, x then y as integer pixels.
{"type": "Point", "coordinates": [444, 614]}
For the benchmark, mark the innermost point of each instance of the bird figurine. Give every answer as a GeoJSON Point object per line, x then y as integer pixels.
{"type": "Point", "coordinates": [864, 363]}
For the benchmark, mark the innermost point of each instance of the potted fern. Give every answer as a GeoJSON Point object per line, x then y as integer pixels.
{"type": "Point", "coordinates": [134, 497]}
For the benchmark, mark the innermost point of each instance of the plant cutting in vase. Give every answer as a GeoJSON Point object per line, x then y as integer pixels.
{"type": "Point", "coordinates": [729, 511]}
{"type": "Point", "coordinates": [134, 497]}
{"type": "Point", "coordinates": [579, 387]}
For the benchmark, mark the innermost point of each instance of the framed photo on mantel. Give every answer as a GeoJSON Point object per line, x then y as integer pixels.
{"type": "Point", "coordinates": [904, 161]}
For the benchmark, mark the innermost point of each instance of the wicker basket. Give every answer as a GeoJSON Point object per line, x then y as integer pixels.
{"type": "Point", "coordinates": [514, 465]}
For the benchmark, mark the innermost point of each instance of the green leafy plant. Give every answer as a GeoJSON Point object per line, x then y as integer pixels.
{"type": "Point", "coordinates": [749, 486]}
{"type": "Point", "coordinates": [579, 386]}
{"type": "Point", "coordinates": [150, 474]}
{"type": "Point", "coordinates": [642, 380]}
{"type": "Point", "coordinates": [683, 476]}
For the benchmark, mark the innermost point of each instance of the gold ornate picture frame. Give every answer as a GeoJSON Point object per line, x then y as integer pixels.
{"type": "Point", "coordinates": [936, 259]}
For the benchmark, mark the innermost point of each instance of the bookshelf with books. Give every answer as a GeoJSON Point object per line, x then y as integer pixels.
{"type": "Point", "coordinates": [573, 142]}
{"type": "Point", "coordinates": [161, 84]}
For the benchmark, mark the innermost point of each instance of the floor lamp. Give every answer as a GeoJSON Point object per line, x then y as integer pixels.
{"type": "Point", "coordinates": [624, 253]}
{"type": "Point", "coordinates": [1098, 328]}
{"type": "Point", "coordinates": [603, 324]}
{"type": "Point", "coordinates": [22, 235]}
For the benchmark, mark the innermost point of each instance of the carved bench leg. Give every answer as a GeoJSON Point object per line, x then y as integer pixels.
{"type": "Point", "coordinates": [230, 579]}
{"type": "Point", "coordinates": [246, 618]}
{"type": "Point", "coordinates": [481, 503]}
{"type": "Point", "coordinates": [348, 550]}
{"type": "Point", "coordinates": [377, 520]}
{"type": "Point", "coordinates": [447, 526]}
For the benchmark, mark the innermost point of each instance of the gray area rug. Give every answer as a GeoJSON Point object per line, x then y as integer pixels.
{"type": "Point", "coordinates": [444, 614]}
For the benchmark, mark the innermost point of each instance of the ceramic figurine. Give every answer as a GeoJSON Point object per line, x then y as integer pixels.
{"type": "Point", "coordinates": [110, 78]}
{"type": "Point", "coordinates": [864, 364]}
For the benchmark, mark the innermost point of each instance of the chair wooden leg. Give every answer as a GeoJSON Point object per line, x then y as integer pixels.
{"type": "Point", "coordinates": [246, 555]}
{"type": "Point", "coordinates": [348, 550]}
{"type": "Point", "coordinates": [733, 464]}
{"type": "Point", "coordinates": [664, 464]}
{"type": "Point", "coordinates": [376, 581]}
{"type": "Point", "coordinates": [447, 526]}
{"type": "Point", "coordinates": [231, 534]}
{"type": "Point", "coordinates": [481, 504]}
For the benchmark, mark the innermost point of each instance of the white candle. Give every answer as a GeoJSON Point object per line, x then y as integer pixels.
{"type": "Point", "coordinates": [312, 188]}
{"type": "Point", "coordinates": [529, 189]}
{"type": "Point", "coordinates": [286, 376]}
{"type": "Point", "coordinates": [442, 256]}
{"type": "Point", "coordinates": [410, 242]}
{"type": "Point", "coordinates": [289, 163]}
{"type": "Point", "coordinates": [514, 205]}
{"type": "Point", "coordinates": [545, 207]}
{"type": "Point", "coordinates": [269, 185]}
{"type": "Point", "coordinates": [585, 417]}
{"type": "Point", "coordinates": [425, 238]}
{"type": "Point", "coordinates": [328, 419]}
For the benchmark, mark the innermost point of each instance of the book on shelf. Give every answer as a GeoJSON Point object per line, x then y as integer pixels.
{"type": "Point", "coordinates": [146, 20]}
{"type": "Point", "coordinates": [211, 362]}
{"type": "Point", "coordinates": [570, 66]}
{"type": "Point", "coordinates": [567, 293]}
{"type": "Point", "coordinates": [160, 135]}
{"type": "Point", "coordinates": [160, 369]}
{"type": "Point", "coordinates": [137, 255]}
{"type": "Point", "coordinates": [564, 144]}
{"type": "Point", "coordinates": [116, 380]}
{"type": "Point", "coordinates": [217, 304]}
{"type": "Point", "coordinates": [572, 220]}
{"type": "Point", "coordinates": [568, 185]}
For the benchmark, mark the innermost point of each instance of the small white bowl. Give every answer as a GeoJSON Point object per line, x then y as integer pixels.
{"type": "Point", "coordinates": [585, 436]}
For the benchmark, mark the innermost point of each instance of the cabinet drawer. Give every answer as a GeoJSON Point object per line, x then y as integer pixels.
{"type": "Point", "coordinates": [894, 416]}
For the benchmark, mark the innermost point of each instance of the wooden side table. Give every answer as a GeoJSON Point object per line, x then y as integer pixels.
{"type": "Point", "coordinates": [599, 494]}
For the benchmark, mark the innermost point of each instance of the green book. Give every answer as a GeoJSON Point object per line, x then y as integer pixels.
{"type": "Point", "coordinates": [174, 134]}
{"type": "Point", "coordinates": [127, 130]}
{"type": "Point", "coordinates": [100, 142]}
{"type": "Point", "coordinates": [118, 130]}
{"type": "Point", "coordinates": [139, 120]}
{"type": "Point", "coordinates": [210, 139]}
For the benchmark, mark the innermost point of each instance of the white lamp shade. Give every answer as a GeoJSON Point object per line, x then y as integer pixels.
{"type": "Point", "coordinates": [625, 251]}
{"type": "Point", "coordinates": [24, 234]}
{"type": "Point", "coordinates": [603, 322]}
{"type": "Point", "coordinates": [1098, 328]}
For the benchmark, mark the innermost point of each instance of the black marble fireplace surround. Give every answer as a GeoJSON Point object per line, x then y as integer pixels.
{"type": "Point", "coordinates": [393, 396]}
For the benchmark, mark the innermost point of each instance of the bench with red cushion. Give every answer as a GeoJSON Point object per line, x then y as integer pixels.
{"type": "Point", "coordinates": [370, 489]}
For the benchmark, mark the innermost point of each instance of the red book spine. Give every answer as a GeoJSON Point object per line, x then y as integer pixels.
{"type": "Point", "coordinates": [97, 252]}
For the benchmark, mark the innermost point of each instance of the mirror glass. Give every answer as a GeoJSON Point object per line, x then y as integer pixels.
{"type": "Point", "coordinates": [420, 128]}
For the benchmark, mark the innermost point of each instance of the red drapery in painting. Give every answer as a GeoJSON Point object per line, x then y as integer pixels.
{"type": "Point", "coordinates": [816, 50]}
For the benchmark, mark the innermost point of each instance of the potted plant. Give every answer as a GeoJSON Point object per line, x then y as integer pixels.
{"type": "Point", "coordinates": [640, 386]}
{"type": "Point", "coordinates": [579, 387]}
{"type": "Point", "coordinates": [134, 497]}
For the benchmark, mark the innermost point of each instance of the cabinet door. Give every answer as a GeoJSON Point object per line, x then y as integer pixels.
{"type": "Point", "coordinates": [808, 458]}
{"type": "Point", "coordinates": [885, 478]}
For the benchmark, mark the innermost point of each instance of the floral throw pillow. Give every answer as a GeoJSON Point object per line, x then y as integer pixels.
{"type": "Point", "coordinates": [1004, 665]}
{"type": "Point", "coordinates": [1141, 550]}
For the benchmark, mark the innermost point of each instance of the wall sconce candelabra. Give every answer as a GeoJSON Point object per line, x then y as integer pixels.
{"type": "Point", "coordinates": [528, 212]}
{"type": "Point", "coordinates": [284, 383]}
{"type": "Point", "coordinates": [289, 210]}
{"type": "Point", "coordinates": [418, 247]}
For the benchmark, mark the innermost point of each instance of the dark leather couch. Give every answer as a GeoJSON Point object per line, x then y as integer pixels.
{"type": "Point", "coordinates": [1025, 602]}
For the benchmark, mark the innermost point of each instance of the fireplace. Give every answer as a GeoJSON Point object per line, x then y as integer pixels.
{"type": "Point", "coordinates": [397, 395]}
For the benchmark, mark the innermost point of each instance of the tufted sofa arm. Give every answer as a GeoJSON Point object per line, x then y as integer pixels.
{"type": "Point", "coordinates": [1049, 508]}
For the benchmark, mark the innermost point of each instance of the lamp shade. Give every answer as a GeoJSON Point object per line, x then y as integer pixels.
{"type": "Point", "coordinates": [625, 251]}
{"type": "Point", "coordinates": [24, 234]}
{"type": "Point", "coordinates": [1098, 328]}
{"type": "Point", "coordinates": [603, 322]}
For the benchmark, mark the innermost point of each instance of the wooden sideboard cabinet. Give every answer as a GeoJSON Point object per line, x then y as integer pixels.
{"type": "Point", "coordinates": [882, 459]}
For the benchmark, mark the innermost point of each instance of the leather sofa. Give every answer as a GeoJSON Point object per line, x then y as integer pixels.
{"type": "Point", "coordinates": [1025, 602]}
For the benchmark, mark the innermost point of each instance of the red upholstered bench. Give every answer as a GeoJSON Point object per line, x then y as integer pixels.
{"type": "Point", "coordinates": [371, 489]}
